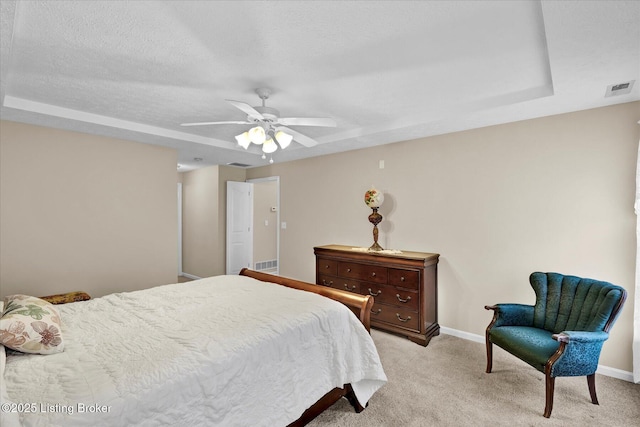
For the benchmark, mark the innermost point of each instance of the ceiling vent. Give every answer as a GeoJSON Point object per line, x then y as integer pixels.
{"type": "Point", "coordinates": [619, 89]}
{"type": "Point", "coordinates": [240, 165]}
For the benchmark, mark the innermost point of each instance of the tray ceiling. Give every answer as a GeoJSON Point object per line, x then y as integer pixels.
{"type": "Point", "coordinates": [385, 71]}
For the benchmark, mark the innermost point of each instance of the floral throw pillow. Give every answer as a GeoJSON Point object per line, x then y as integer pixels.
{"type": "Point", "coordinates": [30, 325]}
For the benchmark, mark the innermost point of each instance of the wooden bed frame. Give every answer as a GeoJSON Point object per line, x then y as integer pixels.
{"type": "Point", "coordinates": [360, 304]}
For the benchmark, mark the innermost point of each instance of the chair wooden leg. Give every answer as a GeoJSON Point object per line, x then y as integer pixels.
{"type": "Point", "coordinates": [489, 356]}
{"type": "Point", "coordinates": [591, 380]}
{"type": "Point", "coordinates": [550, 383]}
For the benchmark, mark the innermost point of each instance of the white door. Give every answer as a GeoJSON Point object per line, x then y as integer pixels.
{"type": "Point", "coordinates": [239, 224]}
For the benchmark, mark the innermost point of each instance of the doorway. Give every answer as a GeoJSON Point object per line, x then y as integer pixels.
{"type": "Point", "coordinates": [180, 272]}
{"type": "Point", "coordinates": [253, 232]}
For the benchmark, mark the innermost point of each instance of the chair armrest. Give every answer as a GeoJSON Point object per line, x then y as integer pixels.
{"type": "Point", "coordinates": [578, 353]}
{"type": "Point", "coordinates": [67, 297]}
{"type": "Point", "coordinates": [511, 314]}
{"type": "Point", "coordinates": [581, 336]}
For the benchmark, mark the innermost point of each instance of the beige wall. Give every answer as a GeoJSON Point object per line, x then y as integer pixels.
{"type": "Point", "coordinates": [550, 194]}
{"type": "Point", "coordinates": [265, 196]}
{"type": "Point", "coordinates": [82, 212]}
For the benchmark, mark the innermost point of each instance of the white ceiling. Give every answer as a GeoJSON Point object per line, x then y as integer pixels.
{"type": "Point", "coordinates": [386, 71]}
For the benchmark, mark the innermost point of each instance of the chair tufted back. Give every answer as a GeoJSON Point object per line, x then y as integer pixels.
{"type": "Point", "coordinates": [569, 303]}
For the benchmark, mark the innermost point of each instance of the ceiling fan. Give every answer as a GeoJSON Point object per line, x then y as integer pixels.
{"type": "Point", "coordinates": [269, 125]}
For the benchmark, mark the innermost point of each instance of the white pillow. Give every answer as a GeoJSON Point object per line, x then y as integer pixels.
{"type": "Point", "coordinates": [30, 325]}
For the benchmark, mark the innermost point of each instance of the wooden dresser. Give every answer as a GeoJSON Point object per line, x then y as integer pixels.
{"type": "Point", "coordinates": [404, 286]}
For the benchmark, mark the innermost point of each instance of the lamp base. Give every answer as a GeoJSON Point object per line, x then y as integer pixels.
{"type": "Point", "coordinates": [375, 219]}
{"type": "Point", "coordinates": [375, 247]}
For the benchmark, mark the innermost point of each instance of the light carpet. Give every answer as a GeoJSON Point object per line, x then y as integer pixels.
{"type": "Point", "coordinates": [445, 384]}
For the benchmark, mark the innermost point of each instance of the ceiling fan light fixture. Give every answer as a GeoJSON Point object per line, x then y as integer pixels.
{"type": "Point", "coordinates": [243, 140]}
{"type": "Point", "coordinates": [284, 139]}
{"type": "Point", "coordinates": [267, 124]}
{"type": "Point", "coordinates": [269, 146]}
{"type": "Point", "coordinates": [257, 135]}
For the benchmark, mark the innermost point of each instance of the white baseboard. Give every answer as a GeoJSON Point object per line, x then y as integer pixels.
{"type": "Point", "coordinates": [615, 373]}
{"type": "Point", "coordinates": [190, 276]}
{"type": "Point", "coordinates": [603, 370]}
{"type": "Point", "coordinates": [461, 334]}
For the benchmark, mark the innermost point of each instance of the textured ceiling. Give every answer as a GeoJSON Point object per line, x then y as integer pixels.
{"type": "Point", "coordinates": [385, 71]}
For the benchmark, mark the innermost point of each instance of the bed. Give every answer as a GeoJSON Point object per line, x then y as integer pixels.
{"type": "Point", "coordinates": [246, 350]}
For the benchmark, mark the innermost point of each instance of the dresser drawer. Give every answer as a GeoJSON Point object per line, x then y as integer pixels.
{"type": "Point", "coordinates": [339, 283]}
{"type": "Point", "coordinates": [348, 285]}
{"type": "Point", "coordinates": [409, 279]}
{"type": "Point", "coordinates": [391, 295]}
{"type": "Point", "coordinates": [327, 266]}
{"type": "Point", "coordinates": [369, 273]}
{"type": "Point", "coordinates": [326, 280]}
{"type": "Point", "coordinates": [396, 316]}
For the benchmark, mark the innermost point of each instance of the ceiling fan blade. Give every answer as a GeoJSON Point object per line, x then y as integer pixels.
{"type": "Point", "coordinates": [236, 122]}
{"type": "Point", "coordinates": [246, 108]}
{"type": "Point", "coordinates": [308, 121]}
{"type": "Point", "coordinates": [298, 137]}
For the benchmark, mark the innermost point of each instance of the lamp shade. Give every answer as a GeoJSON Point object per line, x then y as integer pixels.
{"type": "Point", "coordinates": [257, 135]}
{"type": "Point", "coordinates": [269, 146]}
{"type": "Point", "coordinates": [284, 139]}
{"type": "Point", "coordinates": [373, 198]}
{"type": "Point", "coordinates": [243, 140]}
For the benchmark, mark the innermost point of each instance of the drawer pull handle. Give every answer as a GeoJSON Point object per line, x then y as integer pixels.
{"type": "Point", "coordinates": [327, 266]}
{"type": "Point", "coordinates": [324, 282]}
{"type": "Point", "coordinates": [403, 300]}
{"type": "Point", "coordinates": [376, 294]}
{"type": "Point", "coordinates": [401, 319]}
{"type": "Point", "coordinates": [402, 279]}
{"type": "Point", "coordinates": [348, 270]}
{"type": "Point", "coordinates": [373, 274]}
{"type": "Point", "coordinates": [352, 288]}
{"type": "Point", "coordinates": [378, 311]}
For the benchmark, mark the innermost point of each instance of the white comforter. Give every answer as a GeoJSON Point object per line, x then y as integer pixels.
{"type": "Point", "coordinates": [226, 350]}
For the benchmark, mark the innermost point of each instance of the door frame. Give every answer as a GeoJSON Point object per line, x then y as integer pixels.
{"type": "Point", "coordinates": [180, 272]}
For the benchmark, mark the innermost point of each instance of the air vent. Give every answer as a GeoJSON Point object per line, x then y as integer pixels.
{"type": "Point", "coordinates": [619, 89]}
{"type": "Point", "coordinates": [240, 165]}
{"type": "Point", "coordinates": [266, 265]}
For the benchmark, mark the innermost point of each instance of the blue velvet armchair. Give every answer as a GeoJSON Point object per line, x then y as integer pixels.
{"type": "Point", "coordinates": [563, 333]}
